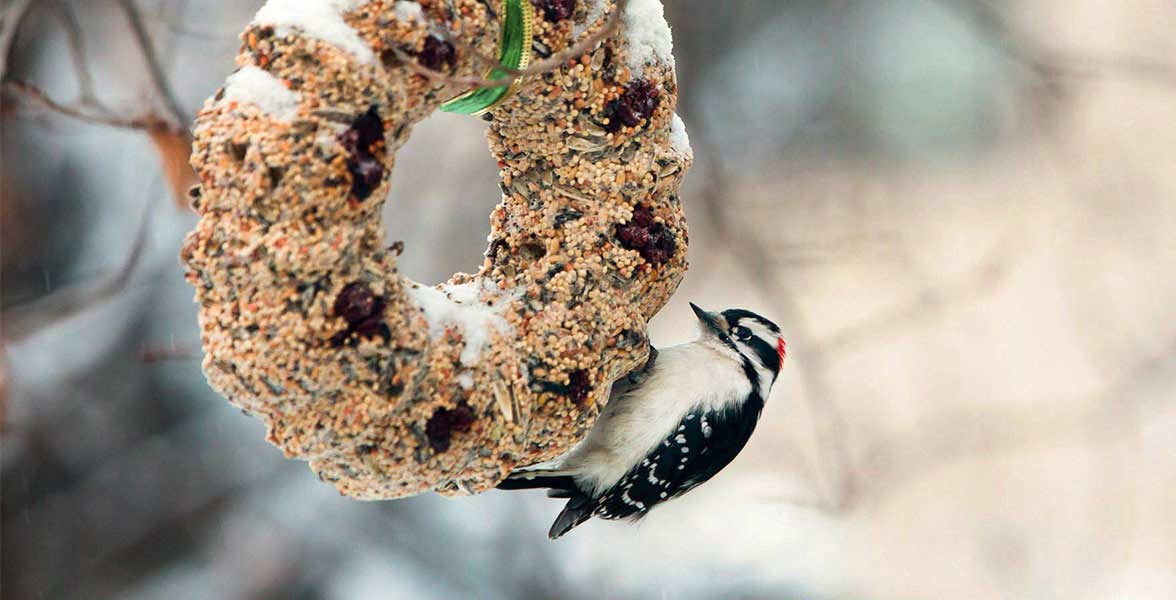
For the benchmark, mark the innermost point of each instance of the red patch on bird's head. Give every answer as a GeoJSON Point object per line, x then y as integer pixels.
{"type": "Point", "coordinates": [781, 349]}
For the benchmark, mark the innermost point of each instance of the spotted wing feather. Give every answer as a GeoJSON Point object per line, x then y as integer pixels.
{"type": "Point", "coordinates": [704, 442]}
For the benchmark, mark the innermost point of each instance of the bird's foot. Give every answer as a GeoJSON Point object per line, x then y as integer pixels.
{"type": "Point", "coordinates": [639, 375]}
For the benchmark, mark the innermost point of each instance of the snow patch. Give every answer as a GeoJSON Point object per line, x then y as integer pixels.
{"type": "Point", "coordinates": [648, 35]}
{"type": "Point", "coordinates": [252, 85]}
{"type": "Point", "coordinates": [679, 139]}
{"type": "Point", "coordinates": [319, 19]}
{"type": "Point", "coordinates": [461, 307]}
{"type": "Point", "coordinates": [408, 11]}
{"type": "Point", "coordinates": [466, 380]}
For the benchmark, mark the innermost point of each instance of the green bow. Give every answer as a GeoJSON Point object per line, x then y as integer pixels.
{"type": "Point", "coordinates": [514, 51]}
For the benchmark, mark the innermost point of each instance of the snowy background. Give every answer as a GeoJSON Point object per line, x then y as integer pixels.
{"type": "Point", "coordinates": [961, 212]}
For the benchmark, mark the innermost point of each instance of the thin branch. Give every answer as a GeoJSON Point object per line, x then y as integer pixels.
{"type": "Point", "coordinates": [835, 465]}
{"type": "Point", "coordinates": [172, 352]}
{"type": "Point", "coordinates": [21, 321]}
{"type": "Point", "coordinates": [1050, 62]}
{"type": "Point", "coordinates": [13, 16]}
{"type": "Point", "coordinates": [73, 32]}
{"type": "Point", "coordinates": [470, 49]}
{"type": "Point", "coordinates": [555, 61]}
{"type": "Point", "coordinates": [954, 437]}
{"type": "Point", "coordinates": [38, 96]}
{"type": "Point", "coordinates": [154, 67]}
{"type": "Point", "coordinates": [937, 297]}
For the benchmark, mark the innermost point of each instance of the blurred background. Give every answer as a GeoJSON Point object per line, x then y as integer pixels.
{"type": "Point", "coordinates": [960, 211]}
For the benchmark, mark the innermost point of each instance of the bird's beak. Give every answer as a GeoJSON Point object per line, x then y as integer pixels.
{"type": "Point", "coordinates": [711, 322]}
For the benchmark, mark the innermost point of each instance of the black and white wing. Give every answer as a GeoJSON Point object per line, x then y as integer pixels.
{"type": "Point", "coordinates": [704, 442]}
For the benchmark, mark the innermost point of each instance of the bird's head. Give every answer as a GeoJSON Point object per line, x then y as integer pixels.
{"type": "Point", "coordinates": [756, 340]}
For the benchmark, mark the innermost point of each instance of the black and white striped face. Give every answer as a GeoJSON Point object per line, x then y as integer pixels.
{"type": "Point", "coordinates": [756, 340]}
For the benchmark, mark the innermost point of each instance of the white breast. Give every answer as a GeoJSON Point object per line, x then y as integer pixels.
{"type": "Point", "coordinates": [686, 377]}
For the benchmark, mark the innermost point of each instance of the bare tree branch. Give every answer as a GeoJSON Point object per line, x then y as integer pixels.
{"type": "Point", "coordinates": [38, 96]}
{"type": "Point", "coordinates": [173, 351]}
{"type": "Point", "coordinates": [73, 31]}
{"type": "Point", "coordinates": [957, 436]}
{"type": "Point", "coordinates": [835, 465]}
{"type": "Point", "coordinates": [13, 16]}
{"type": "Point", "coordinates": [984, 277]}
{"type": "Point", "coordinates": [21, 321]}
{"type": "Point", "coordinates": [1050, 62]}
{"type": "Point", "coordinates": [154, 68]}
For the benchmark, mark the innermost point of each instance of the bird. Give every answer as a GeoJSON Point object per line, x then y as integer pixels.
{"type": "Point", "coordinates": [668, 427]}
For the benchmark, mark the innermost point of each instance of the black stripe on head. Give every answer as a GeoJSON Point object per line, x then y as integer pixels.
{"type": "Point", "coordinates": [765, 349]}
{"type": "Point", "coordinates": [752, 376]}
{"type": "Point", "coordinates": [735, 315]}
{"type": "Point", "coordinates": [766, 353]}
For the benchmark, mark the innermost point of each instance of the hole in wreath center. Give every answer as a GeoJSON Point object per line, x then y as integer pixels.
{"type": "Point", "coordinates": [444, 186]}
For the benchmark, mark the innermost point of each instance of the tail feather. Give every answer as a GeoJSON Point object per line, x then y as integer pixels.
{"type": "Point", "coordinates": [578, 509]}
{"type": "Point", "coordinates": [559, 484]}
{"type": "Point", "coordinates": [536, 481]}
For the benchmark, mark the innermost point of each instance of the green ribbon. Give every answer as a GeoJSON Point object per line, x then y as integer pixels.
{"type": "Point", "coordinates": [514, 51]}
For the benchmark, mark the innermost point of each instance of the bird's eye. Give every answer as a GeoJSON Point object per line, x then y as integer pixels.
{"type": "Point", "coordinates": [741, 332]}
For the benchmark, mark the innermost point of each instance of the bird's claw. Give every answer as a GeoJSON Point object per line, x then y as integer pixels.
{"type": "Point", "coordinates": [639, 375]}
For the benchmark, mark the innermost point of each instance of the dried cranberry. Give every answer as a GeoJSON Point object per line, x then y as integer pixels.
{"type": "Point", "coordinates": [365, 167]}
{"type": "Point", "coordinates": [440, 427]}
{"type": "Point", "coordinates": [638, 102]}
{"type": "Point", "coordinates": [654, 241]}
{"type": "Point", "coordinates": [369, 127]}
{"type": "Point", "coordinates": [372, 327]}
{"type": "Point", "coordinates": [633, 236]}
{"type": "Point", "coordinates": [661, 246]}
{"type": "Point", "coordinates": [355, 303]}
{"type": "Point", "coordinates": [364, 313]}
{"type": "Point", "coordinates": [437, 52]}
{"type": "Point", "coordinates": [642, 216]}
{"type": "Point", "coordinates": [555, 10]}
{"type": "Point", "coordinates": [367, 174]}
{"type": "Point", "coordinates": [579, 386]}
{"type": "Point", "coordinates": [339, 339]}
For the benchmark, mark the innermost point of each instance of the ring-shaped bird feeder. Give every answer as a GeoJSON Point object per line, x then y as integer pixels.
{"type": "Point", "coordinates": [386, 386]}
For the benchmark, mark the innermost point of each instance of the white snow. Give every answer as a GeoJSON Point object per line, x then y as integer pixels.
{"type": "Point", "coordinates": [461, 307]}
{"type": "Point", "coordinates": [679, 139]}
{"type": "Point", "coordinates": [252, 85]}
{"type": "Point", "coordinates": [319, 19]}
{"type": "Point", "coordinates": [648, 35]}
{"type": "Point", "coordinates": [466, 380]}
{"type": "Point", "coordinates": [408, 11]}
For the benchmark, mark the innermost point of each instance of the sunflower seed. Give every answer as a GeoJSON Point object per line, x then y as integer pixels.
{"type": "Point", "coordinates": [503, 402]}
{"type": "Point", "coordinates": [580, 144]}
{"type": "Point", "coordinates": [570, 193]}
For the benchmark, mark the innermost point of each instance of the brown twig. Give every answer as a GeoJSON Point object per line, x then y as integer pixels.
{"type": "Point", "coordinates": [171, 352]}
{"type": "Point", "coordinates": [21, 321]}
{"type": "Point", "coordinates": [953, 437]}
{"type": "Point", "coordinates": [934, 298]}
{"type": "Point", "coordinates": [32, 92]}
{"type": "Point", "coordinates": [12, 18]}
{"type": "Point", "coordinates": [154, 68]}
{"type": "Point", "coordinates": [835, 465]}
{"type": "Point", "coordinates": [73, 33]}
{"type": "Point", "coordinates": [1050, 62]}
{"type": "Point", "coordinates": [555, 61]}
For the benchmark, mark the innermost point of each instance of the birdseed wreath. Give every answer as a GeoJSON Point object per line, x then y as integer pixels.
{"type": "Point", "coordinates": [388, 387]}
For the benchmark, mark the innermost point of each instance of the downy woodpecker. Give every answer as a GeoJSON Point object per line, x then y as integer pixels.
{"type": "Point", "coordinates": [667, 428]}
